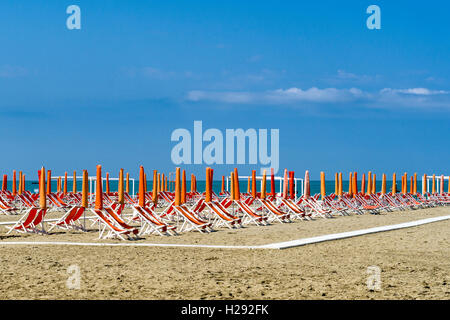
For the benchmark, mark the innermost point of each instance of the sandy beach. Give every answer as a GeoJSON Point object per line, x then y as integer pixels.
{"type": "Point", "coordinates": [414, 263]}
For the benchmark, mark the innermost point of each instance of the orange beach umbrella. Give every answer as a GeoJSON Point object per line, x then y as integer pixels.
{"type": "Point", "coordinates": [84, 190]}
{"type": "Point", "coordinates": [120, 189]}
{"type": "Point", "coordinates": [14, 187]}
{"type": "Point", "coordinates": [383, 184]}
{"type": "Point", "coordinates": [374, 183]}
{"type": "Point", "coordinates": [42, 194]}
{"type": "Point", "coordinates": [99, 189]}
{"type": "Point", "coordinates": [177, 188]}
{"type": "Point", "coordinates": [141, 187]}
{"type": "Point", "coordinates": [49, 181]}
{"type": "Point", "coordinates": [74, 186]}
{"type": "Point", "coordinates": [65, 183]}
{"type": "Point", "coordinates": [350, 185]}
{"type": "Point", "coordinates": [253, 183]}
{"type": "Point", "coordinates": [291, 184]}
{"type": "Point", "coordinates": [394, 183]}
{"type": "Point", "coordinates": [424, 184]}
{"type": "Point", "coordinates": [155, 187]}
{"type": "Point", "coordinates": [272, 182]}
{"type": "Point", "coordinates": [208, 193]}
{"type": "Point", "coordinates": [183, 187]}
{"type": "Point", "coordinates": [237, 193]}
{"type": "Point", "coordinates": [263, 185]}
{"type": "Point", "coordinates": [322, 185]}
{"type": "Point", "coordinates": [307, 191]}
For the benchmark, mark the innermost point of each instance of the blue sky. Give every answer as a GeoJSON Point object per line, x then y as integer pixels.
{"type": "Point", "coordinates": [343, 97]}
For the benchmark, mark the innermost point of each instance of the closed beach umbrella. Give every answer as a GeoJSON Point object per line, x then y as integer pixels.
{"type": "Point", "coordinates": [177, 188]}
{"type": "Point", "coordinates": [232, 186]}
{"type": "Point", "coordinates": [84, 190]}
{"type": "Point", "coordinates": [291, 184]}
{"type": "Point", "coordinates": [272, 182]}
{"type": "Point", "coordinates": [155, 187]}
{"type": "Point", "coordinates": [336, 183]}
{"type": "Point", "coordinates": [145, 182]}
{"type": "Point", "coordinates": [20, 182]}
{"type": "Point", "coordinates": [127, 188]}
{"type": "Point", "coordinates": [208, 193]}
{"type": "Point", "coordinates": [285, 184]}
{"type": "Point", "coordinates": [121, 189]}
{"type": "Point", "coordinates": [415, 184]}
{"type": "Point", "coordinates": [237, 192]}
{"type": "Point", "coordinates": [65, 183]}
{"type": "Point", "coordinates": [307, 191]}
{"type": "Point", "coordinates": [74, 186]}
{"type": "Point", "coordinates": [193, 183]}
{"type": "Point", "coordinates": [363, 184]}
{"type": "Point", "coordinates": [14, 186]}
{"type": "Point", "coordinates": [383, 184]}
{"type": "Point", "coordinates": [248, 185]}
{"type": "Point", "coordinates": [394, 183]}
{"type": "Point", "coordinates": [350, 185]}
{"type": "Point", "coordinates": [369, 183]}
{"type": "Point", "coordinates": [263, 185]}
{"type": "Point", "coordinates": [253, 183]}
{"type": "Point", "coordinates": [340, 185]}
{"type": "Point", "coordinates": [322, 184]}
{"type": "Point", "coordinates": [355, 183]}
{"type": "Point", "coordinates": [99, 189]}
{"type": "Point", "coordinates": [5, 182]}
{"type": "Point", "coordinates": [442, 184]}
{"type": "Point", "coordinates": [42, 194]}
{"type": "Point", "coordinates": [183, 187]}
{"type": "Point", "coordinates": [223, 185]}
{"type": "Point", "coordinates": [411, 185]}
{"type": "Point", "coordinates": [141, 187]}
{"type": "Point", "coordinates": [23, 183]}
{"type": "Point", "coordinates": [373, 177]}
{"type": "Point", "coordinates": [49, 181]}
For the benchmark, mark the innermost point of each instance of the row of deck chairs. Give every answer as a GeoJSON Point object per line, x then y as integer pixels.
{"type": "Point", "coordinates": [131, 220]}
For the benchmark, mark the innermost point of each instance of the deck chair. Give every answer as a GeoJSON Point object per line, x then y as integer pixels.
{"type": "Point", "coordinates": [274, 213]}
{"type": "Point", "coordinates": [70, 220]}
{"type": "Point", "coordinates": [294, 209]}
{"type": "Point", "coordinates": [221, 216]}
{"type": "Point", "coordinates": [191, 221]}
{"type": "Point", "coordinates": [109, 227]}
{"type": "Point", "coordinates": [249, 215]}
{"type": "Point", "coordinates": [150, 223]}
{"type": "Point", "coordinates": [6, 208]}
{"type": "Point", "coordinates": [29, 221]}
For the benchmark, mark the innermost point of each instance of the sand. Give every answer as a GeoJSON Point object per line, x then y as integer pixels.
{"type": "Point", "coordinates": [414, 263]}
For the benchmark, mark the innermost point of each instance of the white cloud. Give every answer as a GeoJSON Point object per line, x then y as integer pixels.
{"type": "Point", "coordinates": [416, 91]}
{"type": "Point", "coordinates": [283, 96]}
{"type": "Point", "coordinates": [385, 98]}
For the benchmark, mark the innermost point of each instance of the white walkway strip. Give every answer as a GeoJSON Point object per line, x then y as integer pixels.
{"type": "Point", "coordinates": [336, 236]}
{"type": "Point", "coordinates": [128, 244]}
{"type": "Point", "coordinates": [279, 245]}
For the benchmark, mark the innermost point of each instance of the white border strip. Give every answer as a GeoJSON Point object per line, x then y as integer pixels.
{"type": "Point", "coordinates": [336, 236]}
{"type": "Point", "coordinates": [278, 245]}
